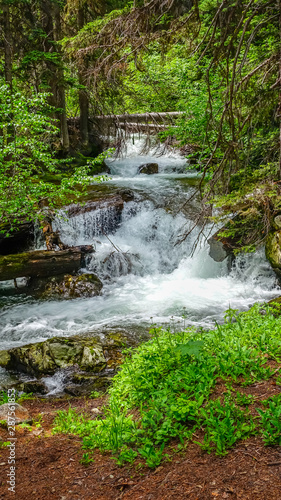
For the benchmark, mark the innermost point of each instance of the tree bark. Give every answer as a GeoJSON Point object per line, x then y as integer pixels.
{"type": "Point", "coordinates": [83, 94]}
{"type": "Point", "coordinates": [279, 107]}
{"type": "Point", "coordinates": [42, 263]}
{"type": "Point", "coordinates": [61, 88]}
{"type": "Point", "coordinates": [7, 44]}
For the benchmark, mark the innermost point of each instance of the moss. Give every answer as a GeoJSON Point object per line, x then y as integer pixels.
{"type": "Point", "coordinates": [273, 249]}
{"type": "Point", "coordinates": [5, 358]}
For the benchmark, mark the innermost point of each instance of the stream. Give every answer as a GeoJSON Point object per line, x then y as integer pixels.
{"type": "Point", "coordinates": [147, 277]}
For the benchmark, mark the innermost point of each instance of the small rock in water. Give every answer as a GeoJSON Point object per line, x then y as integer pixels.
{"type": "Point", "coordinates": [71, 287]}
{"type": "Point", "coordinates": [148, 168]}
{"type": "Point", "coordinates": [14, 412]}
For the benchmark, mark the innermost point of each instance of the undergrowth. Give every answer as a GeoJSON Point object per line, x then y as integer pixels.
{"type": "Point", "coordinates": [167, 389]}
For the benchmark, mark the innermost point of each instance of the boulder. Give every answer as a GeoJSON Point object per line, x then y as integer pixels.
{"type": "Point", "coordinates": [220, 247]}
{"type": "Point", "coordinates": [14, 414]}
{"type": "Point", "coordinates": [148, 168]}
{"type": "Point", "coordinates": [71, 287]}
{"type": "Point", "coordinates": [273, 251]}
{"type": "Point", "coordinates": [88, 363]}
{"type": "Point", "coordinates": [49, 356]}
{"type": "Point", "coordinates": [5, 358]}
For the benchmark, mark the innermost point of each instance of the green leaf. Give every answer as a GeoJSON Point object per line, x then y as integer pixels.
{"type": "Point", "coordinates": [192, 348]}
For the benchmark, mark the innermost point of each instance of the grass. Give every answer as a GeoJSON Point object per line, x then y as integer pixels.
{"type": "Point", "coordinates": [167, 389]}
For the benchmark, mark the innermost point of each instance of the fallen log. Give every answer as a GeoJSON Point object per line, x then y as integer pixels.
{"type": "Point", "coordinates": [141, 116]}
{"type": "Point", "coordinates": [43, 263]}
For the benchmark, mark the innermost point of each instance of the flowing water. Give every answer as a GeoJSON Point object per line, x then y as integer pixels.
{"type": "Point", "coordinates": [147, 276]}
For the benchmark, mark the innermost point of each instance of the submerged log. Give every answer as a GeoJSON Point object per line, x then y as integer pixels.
{"type": "Point", "coordinates": [42, 263]}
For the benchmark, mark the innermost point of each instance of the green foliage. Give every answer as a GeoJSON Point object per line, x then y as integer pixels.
{"type": "Point", "coordinates": [86, 459]}
{"type": "Point", "coordinates": [4, 397]}
{"type": "Point", "coordinates": [4, 444]}
{"type": "Point", "coordinates": [26, 157]}
{"type": "Point", "coordinates": [95, 394]}
{"type": "Point", "coordinates": [164, 386]}
{"type": "Point", "coordinates": [19, 398]}
{"type": "Point", "coordinates": [271, 421]}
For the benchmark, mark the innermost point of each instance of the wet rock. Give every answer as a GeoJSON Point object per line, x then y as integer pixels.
{"type": "Point", "coordinates": [220, 247]}
{"type": "Point", "coordinates": [126, 194]}
{"type": "Point", "coordinates": [273, 251]}
{"type": "Point", "coordinates": [88, 362]}
{"type": "Point", "coordinates": [14, 412]}
{"type": "Point", "coordinates": [106, 202]}
{"type": "Point", "coordinates": [83, 385]}
{"type": "Point", "coordinates": [148, 168]}
{"type": "Point", "coordinates": [5, 359]}
{"type": "Point", "coordinates": [34, 387]}
{"type": "Point", "coordinates": [71, 287]}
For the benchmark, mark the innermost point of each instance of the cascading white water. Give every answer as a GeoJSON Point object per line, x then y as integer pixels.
{"type": "Point", "coordinates": [146, 274]}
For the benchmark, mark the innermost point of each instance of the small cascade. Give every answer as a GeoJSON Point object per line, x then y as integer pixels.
{"type": "Point", "coordinates": [84, 227]}
{"type": "Point", "coordinates": [144, 243]}
{"type": "Point", "coordinates": [55, 384]}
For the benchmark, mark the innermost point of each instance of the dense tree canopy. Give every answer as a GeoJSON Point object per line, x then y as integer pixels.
{"type": "Point", "coordinates": [216, 61]}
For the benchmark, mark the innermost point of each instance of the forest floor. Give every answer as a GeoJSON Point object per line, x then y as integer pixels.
{"type": "Point", "coordinates": [48, 466]}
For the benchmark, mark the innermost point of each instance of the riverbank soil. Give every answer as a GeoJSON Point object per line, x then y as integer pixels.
{"type": "Point", "coordinates": [48, 466]}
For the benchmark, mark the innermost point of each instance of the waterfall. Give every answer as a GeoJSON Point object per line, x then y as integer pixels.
{"type": "Point", "coordinates": [146, 274]}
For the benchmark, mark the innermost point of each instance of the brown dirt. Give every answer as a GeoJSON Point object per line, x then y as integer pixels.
{"type": "Point", "coordinates": [47, 466]}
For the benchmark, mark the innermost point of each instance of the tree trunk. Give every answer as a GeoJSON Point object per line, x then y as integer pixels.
{"type": "Point", "coordinates": [83, 94]}
{"type": "Point", "coordinates": [7, 44]}
{"type": "Point", "coordinates": [60, 80]}
{"type": "Point", "coordinates": [42, 263]}
{"type": "Point", "coordinates": [279, 108]}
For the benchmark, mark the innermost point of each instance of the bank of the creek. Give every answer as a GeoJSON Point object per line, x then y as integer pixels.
{"type": "Point", "coordinates": [147, 277]}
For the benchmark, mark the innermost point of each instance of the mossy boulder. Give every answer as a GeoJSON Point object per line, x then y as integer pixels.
{"type": "Point", "coordinates": [273, 251]}
{"type": "Point", "coordinates": [87, 362]}
{"type": "Point", "coordinates": [5, 358]}
{"type": "Point", "coordinates": [56, 353]}
{"type": "Point", "coordinates": [71, 287]}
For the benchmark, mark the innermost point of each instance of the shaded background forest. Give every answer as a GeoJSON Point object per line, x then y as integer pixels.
{"type": "Point", "coordinates": [63, 62]}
